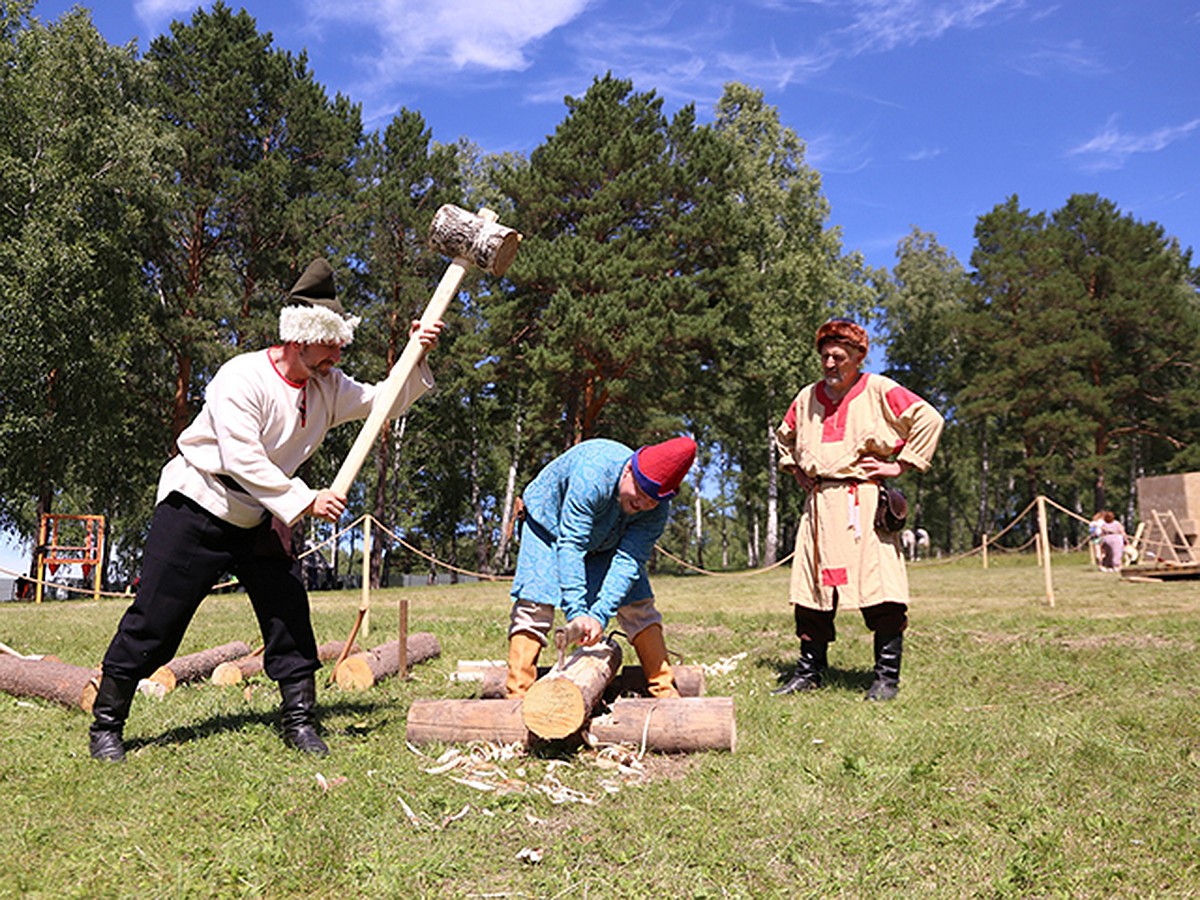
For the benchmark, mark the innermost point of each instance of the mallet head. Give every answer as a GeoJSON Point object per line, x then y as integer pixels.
{"type": "Point", "coordinates": [476, 238]}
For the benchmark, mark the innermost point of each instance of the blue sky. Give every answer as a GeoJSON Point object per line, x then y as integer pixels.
{"type": "Point", "coordinates": [915, 112]}
{"type": "Point", "coordinates": [922, 113]}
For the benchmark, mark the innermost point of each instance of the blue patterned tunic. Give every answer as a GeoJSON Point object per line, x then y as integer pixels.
{"type": "Point", "coordinates": [579, 552]}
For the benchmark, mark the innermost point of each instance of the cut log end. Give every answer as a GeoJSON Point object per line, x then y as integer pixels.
{"type": "Point", "coordinates": [554, 708]}
{"type": "Point", "coordinates": [354, 674]}
{"type": "Point", "coordinates": [164, 676]}
{"type": "Point", "coordinates": [227, 673]}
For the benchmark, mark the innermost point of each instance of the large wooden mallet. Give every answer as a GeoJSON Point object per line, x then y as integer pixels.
{"type": "Point", "coordinates": [469, 239]}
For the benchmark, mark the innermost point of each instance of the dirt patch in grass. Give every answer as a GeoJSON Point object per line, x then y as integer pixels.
{"type": "Point", "coordinates": [682, 629]}
{"type": "Point", "coordinates": [1133, 641]}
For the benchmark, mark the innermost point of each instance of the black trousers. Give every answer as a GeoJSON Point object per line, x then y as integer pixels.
{"type": "Point", "coordinates": [818, 625]}
{"type": "Point", "coordinates": [187, 551]}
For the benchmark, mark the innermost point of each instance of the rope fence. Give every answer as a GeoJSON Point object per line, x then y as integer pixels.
{"type": "Point", "coordinates": [433, 560]}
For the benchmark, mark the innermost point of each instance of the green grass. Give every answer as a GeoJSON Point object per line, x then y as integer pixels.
{"type": "Point", "coordinates": [1033, 752]}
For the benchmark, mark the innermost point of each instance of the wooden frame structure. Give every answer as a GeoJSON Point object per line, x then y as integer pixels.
{"type": "Point", "coordinates": [49, 552]}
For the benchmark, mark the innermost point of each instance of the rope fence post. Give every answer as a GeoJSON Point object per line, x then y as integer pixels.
{"type": "Point", "coordinates": [365, 602]}
{"type": "Point", "coordinates": [1044, 545]}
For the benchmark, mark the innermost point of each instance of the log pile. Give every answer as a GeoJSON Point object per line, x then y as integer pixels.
{"type": "Point", "coordinates": [462, 721]}
{"type": "Point", "coordinates": [237, 670]}
{"type": "Point", "coordinates": [630, 681]}
{"type": "Point", "coordinates": [361, 671]}
{"type": "Point", "coordinates": [668, 725]}
{"type": "Point", "coordinates": [559, 703]}
{"type": "Point", "coordinates": [585, 700]}
{"type": "Point", "coordinates": [48, 678]}
{"type": "Point", "coordinates": [198, 666]}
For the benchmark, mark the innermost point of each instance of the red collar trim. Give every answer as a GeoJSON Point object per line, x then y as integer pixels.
{"type": "Point", "coordinates": [286, 380]}
{"type": "Point", "coordinates": [835, 412]}
{"type": "Point", "coordinates": [857, 388]}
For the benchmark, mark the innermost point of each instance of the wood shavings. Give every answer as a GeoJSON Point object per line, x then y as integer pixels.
{"type": "Point", "coordinates": [412, 816]}
{"type": "Point", "coordinates": [458, 815]}
{"type": "Point", "coordinates": [326, 784]}
{"type": "Point", "coordinates": [531, 855]}
{"type": "Point", "coordinates": [725, 665]}
{"type": "Point", "coordinates": [559, 793]}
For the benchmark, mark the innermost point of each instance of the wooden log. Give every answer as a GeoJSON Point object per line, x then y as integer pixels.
{"type": "Point", "coordinates": [668, 724]}
{"type": "Point", "coordinates": [198, 666]}
{"type": "Point", "coordinates": [362, 670]}
{"type": "Point", "coordinates": [558, 704]}
{"type": "Point", "coordinates": [675, 725]}
{"type": "Point", "coordinates": [235, 670]}
{"type": "Point", "coordinates": [631, 680]}
{"type": "Point", "coordinates": [49, 679]}
{"type": "Point", "coordinates": [462, 721]}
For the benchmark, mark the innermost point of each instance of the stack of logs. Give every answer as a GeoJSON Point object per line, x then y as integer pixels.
{"type": "Point", "coordinates": [584, 699]}
{"type": "Point", "coordinates": [49, 678]}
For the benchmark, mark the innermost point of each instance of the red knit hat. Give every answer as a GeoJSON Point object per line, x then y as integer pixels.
{"type": "Point", "coordinates": [658, 469]}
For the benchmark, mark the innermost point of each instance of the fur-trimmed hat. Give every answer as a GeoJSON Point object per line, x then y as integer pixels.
{"type": "Point", "coordinates": [312, 314]}
{"type": "Point", "coordinates": [843, 331]}
{"type": "Point", "coordinates": [659, 469]}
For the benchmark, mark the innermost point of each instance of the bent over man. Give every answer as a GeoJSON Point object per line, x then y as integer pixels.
{"type": "Point", "coordinates": [227, 501]}
{"type": "Point", "coordinates": [592, 517]}
{"type": "Point", "coordinates": [840, 438]}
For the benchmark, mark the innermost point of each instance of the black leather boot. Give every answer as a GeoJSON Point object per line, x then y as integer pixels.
{"type": "Point", "coordinates": [109, 712]}
{"type": "Point", "coordinates": [807, 677]}
{"type": "Point", "coordinates": [888, 651]}
{"type": "Point", "coordinates": [298, 716]}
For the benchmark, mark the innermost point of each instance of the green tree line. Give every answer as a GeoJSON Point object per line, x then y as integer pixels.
{"type": "Point", "coordinates": [156, 208]}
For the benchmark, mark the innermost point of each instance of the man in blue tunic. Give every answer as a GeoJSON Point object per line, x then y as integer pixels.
{"type": "Point", "coordinates": [592, 517]}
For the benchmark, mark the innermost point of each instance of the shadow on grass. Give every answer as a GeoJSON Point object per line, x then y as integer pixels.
{"type": "Point", "coordinates": [833, 678]}
{"type": "Point", "coordinates": [215, 725]}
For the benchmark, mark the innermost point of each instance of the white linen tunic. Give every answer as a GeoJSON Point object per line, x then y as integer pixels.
{"type": "Point", "coordinates": [257, 427]}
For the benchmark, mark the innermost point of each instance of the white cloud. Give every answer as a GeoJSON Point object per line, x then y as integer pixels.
{"type": "Point", "coordinates": [487, 34]}
{"type": "Point", "coordinates": [1072, 57]}
{"type": "Point", "coordinates": [924, 154]}
{"type": "Point", "coordinates": [156, 13]}
{"type": "Point", "coordinates": [881, 25]}
{"type": "Point", "coordinates": [1111, 147]}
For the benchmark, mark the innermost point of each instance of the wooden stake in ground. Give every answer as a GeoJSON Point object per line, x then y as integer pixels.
{"type": "Point", "coordinates": [668, 724]}
{"type": "Point", "coordinates": [559, 704]}
{"type": "Point", "coordinates": [49, 679]}
{"type": "Point", "coordinates": [689, 680]}
{"type": "Point", "coordinates": [198, 666]}
{"type": "Point", "coordinates": [362, 670]}
{"type": "Point", "coordinates": [463, 721]}
{"type": "Point", "coordinates": [236, 670]}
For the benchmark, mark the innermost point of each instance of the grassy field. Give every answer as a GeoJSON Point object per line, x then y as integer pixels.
{"type": "Point", "coordinates": [1033, 752]}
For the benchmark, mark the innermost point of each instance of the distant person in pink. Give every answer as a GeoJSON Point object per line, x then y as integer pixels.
{"type": "Point", "coordinates": [1112, 543]}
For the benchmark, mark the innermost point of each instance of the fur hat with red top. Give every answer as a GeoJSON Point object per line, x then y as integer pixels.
{"type": "Point", "coordinates": [659, 469]}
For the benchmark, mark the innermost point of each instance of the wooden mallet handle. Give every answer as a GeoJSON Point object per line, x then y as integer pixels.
{"type": "Point", "coordinates": [502, 243]}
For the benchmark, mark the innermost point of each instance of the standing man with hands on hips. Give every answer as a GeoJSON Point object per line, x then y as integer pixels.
{"type": "Point", "coordinates": [841, 437]}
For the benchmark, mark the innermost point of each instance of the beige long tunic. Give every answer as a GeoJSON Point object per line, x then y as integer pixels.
{"type": "Point", "coordinates": [838, 551]}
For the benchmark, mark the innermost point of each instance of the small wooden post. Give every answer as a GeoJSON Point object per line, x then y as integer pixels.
{"type": "Point", "coordinates": [1044, 544]}
{"type": "Point", "coordinates": [365, 602]}
{"type": "Point", "coordinates": [985, 550]}
{"type": "Point", "coordinates": [403, 638]}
